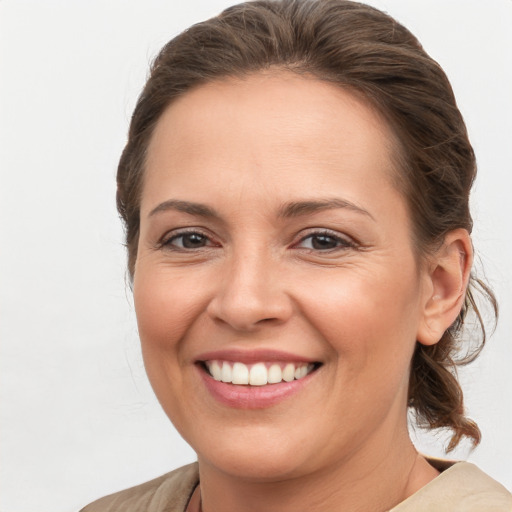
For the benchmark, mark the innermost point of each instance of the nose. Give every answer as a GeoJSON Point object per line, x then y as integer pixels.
{"type": "Point", "coordinates": [251, 293]}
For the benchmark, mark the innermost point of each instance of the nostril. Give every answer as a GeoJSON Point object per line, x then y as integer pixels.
{"type": "Point", "coordinates": [244, 313]}
{"type": "Point", "coordinates": [248, 296]}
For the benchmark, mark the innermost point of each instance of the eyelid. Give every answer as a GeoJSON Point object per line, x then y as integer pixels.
{"type": "Point", "coordinates": [345, 240]}
{"type": "Point", "coordinates": [189, 230]}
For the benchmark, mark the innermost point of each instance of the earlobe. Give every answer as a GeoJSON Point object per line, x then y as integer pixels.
{"type": "Point", "coordinates": [448, 278]}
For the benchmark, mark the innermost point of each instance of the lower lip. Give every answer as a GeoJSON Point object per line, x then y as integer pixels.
{"type": "Point", "coordinates": [251, 397]}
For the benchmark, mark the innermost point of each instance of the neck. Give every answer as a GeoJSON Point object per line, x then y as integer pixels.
{"type": "Point", "coordinates": [361, 483]}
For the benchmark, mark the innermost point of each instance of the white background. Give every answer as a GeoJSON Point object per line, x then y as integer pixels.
{"type": "Point", "coordinates": [78, 419]}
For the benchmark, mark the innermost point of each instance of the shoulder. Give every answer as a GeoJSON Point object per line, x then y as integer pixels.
{"type": "Point", "coordinates": [169, 493]}
{"type": "Point", "coordinates": [462, 487]}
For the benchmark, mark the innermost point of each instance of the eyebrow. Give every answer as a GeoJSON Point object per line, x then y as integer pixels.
{"type": "Point", "coordinates": [299, 208]}
{"type": "Point", "coordinates": [197, 209]}
{"type": "Point", "coordinates": [288, 210]}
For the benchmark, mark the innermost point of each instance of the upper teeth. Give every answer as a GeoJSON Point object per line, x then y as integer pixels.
{"type": "Point", "coordinates": [257, 374]}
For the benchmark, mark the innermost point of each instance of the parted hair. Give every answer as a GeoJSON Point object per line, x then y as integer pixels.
{"type": "Point", "coordinates": [362, 50]}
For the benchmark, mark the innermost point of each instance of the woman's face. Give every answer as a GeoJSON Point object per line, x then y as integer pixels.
{"type": "Point", "coordinates": [272, 241]}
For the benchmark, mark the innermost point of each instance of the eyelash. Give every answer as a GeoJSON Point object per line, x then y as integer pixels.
{"type": "Point", "coordinates": [167, 241]}
{"type": "Point", "coordinates": [341, 242]}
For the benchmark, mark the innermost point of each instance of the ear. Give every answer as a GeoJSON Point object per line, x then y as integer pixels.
{"type": "Point", "coordinates": [447, 280]}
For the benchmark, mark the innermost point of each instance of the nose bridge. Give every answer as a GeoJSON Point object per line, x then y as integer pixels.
{"type": "Point", "coordinates": [249, 290]}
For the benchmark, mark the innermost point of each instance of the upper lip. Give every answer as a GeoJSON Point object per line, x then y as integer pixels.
{"type": "Point", "coordinates": [253, 356]}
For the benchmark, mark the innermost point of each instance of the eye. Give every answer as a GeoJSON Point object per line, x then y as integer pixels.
{"type": "Point", "coordinates": [187, 241]}
{"type": "Point", "coordinates": [324, 241]}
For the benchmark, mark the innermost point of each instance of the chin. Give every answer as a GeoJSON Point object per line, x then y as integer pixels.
{"type": "Point", "coordinates": [258, 465]}
{"type": "Point", "coordinates": [257, 453]}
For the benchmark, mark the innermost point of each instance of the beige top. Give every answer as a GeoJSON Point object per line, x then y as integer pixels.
{"type": "Point", "coordinates": [462, 487]}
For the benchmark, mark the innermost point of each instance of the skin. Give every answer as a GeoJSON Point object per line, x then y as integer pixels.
{"type": "Point", "coordinates": [257, 280]}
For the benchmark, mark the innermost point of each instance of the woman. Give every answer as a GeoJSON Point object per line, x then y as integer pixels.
{"type": "Point", "coordinates": [295, 192]}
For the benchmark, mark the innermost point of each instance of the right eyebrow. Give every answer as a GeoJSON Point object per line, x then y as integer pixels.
{"type": "Point", "coordinates": [189, 207]}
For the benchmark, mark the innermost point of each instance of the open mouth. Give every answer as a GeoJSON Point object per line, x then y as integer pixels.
{"type": "Point", "coordinates": [259, 373]}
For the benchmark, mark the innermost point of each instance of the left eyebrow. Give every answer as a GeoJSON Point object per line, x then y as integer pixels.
{"type": "Point", "coordinates": [298, 208]}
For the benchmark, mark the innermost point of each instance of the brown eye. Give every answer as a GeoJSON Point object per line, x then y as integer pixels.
{"type": "Point", "coordinates": [324, 242]}
{"type": "Point", "coordinates": [190, 240]}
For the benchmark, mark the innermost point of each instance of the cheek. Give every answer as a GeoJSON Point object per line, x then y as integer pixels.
{"type": "Point", "coordinates": [367, 317]}
{"type": "Point", "coordinates": [166, 305]}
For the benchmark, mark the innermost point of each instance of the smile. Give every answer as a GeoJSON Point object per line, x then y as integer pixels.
{"type": "Point", "coordinates": [258, 374]}
{"type": "Point", "coordinates": [254, 379]}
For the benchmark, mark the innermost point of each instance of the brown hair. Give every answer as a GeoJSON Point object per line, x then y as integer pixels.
{"type": "Point", "coordinates": [364, 50]}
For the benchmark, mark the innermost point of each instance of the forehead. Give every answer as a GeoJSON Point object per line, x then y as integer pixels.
{"type": "Point", "coordinates": [294, 133]}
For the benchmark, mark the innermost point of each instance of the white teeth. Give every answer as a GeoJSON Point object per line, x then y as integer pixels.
{"type": "Point", "coordinates": [289, 372]}
{"type": "Point", "coordinates": [275, 374]}
{"type": "Point", "coordinates": [226, 373]}
{"type": "Point", "coordinates": [215, 370]}
{"type": "Point", "coordinates": [301, 372]}
{"type": "Point", "coordinates": [258, 374]}
{"type": "Point", "coordinates": [240, 374]}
